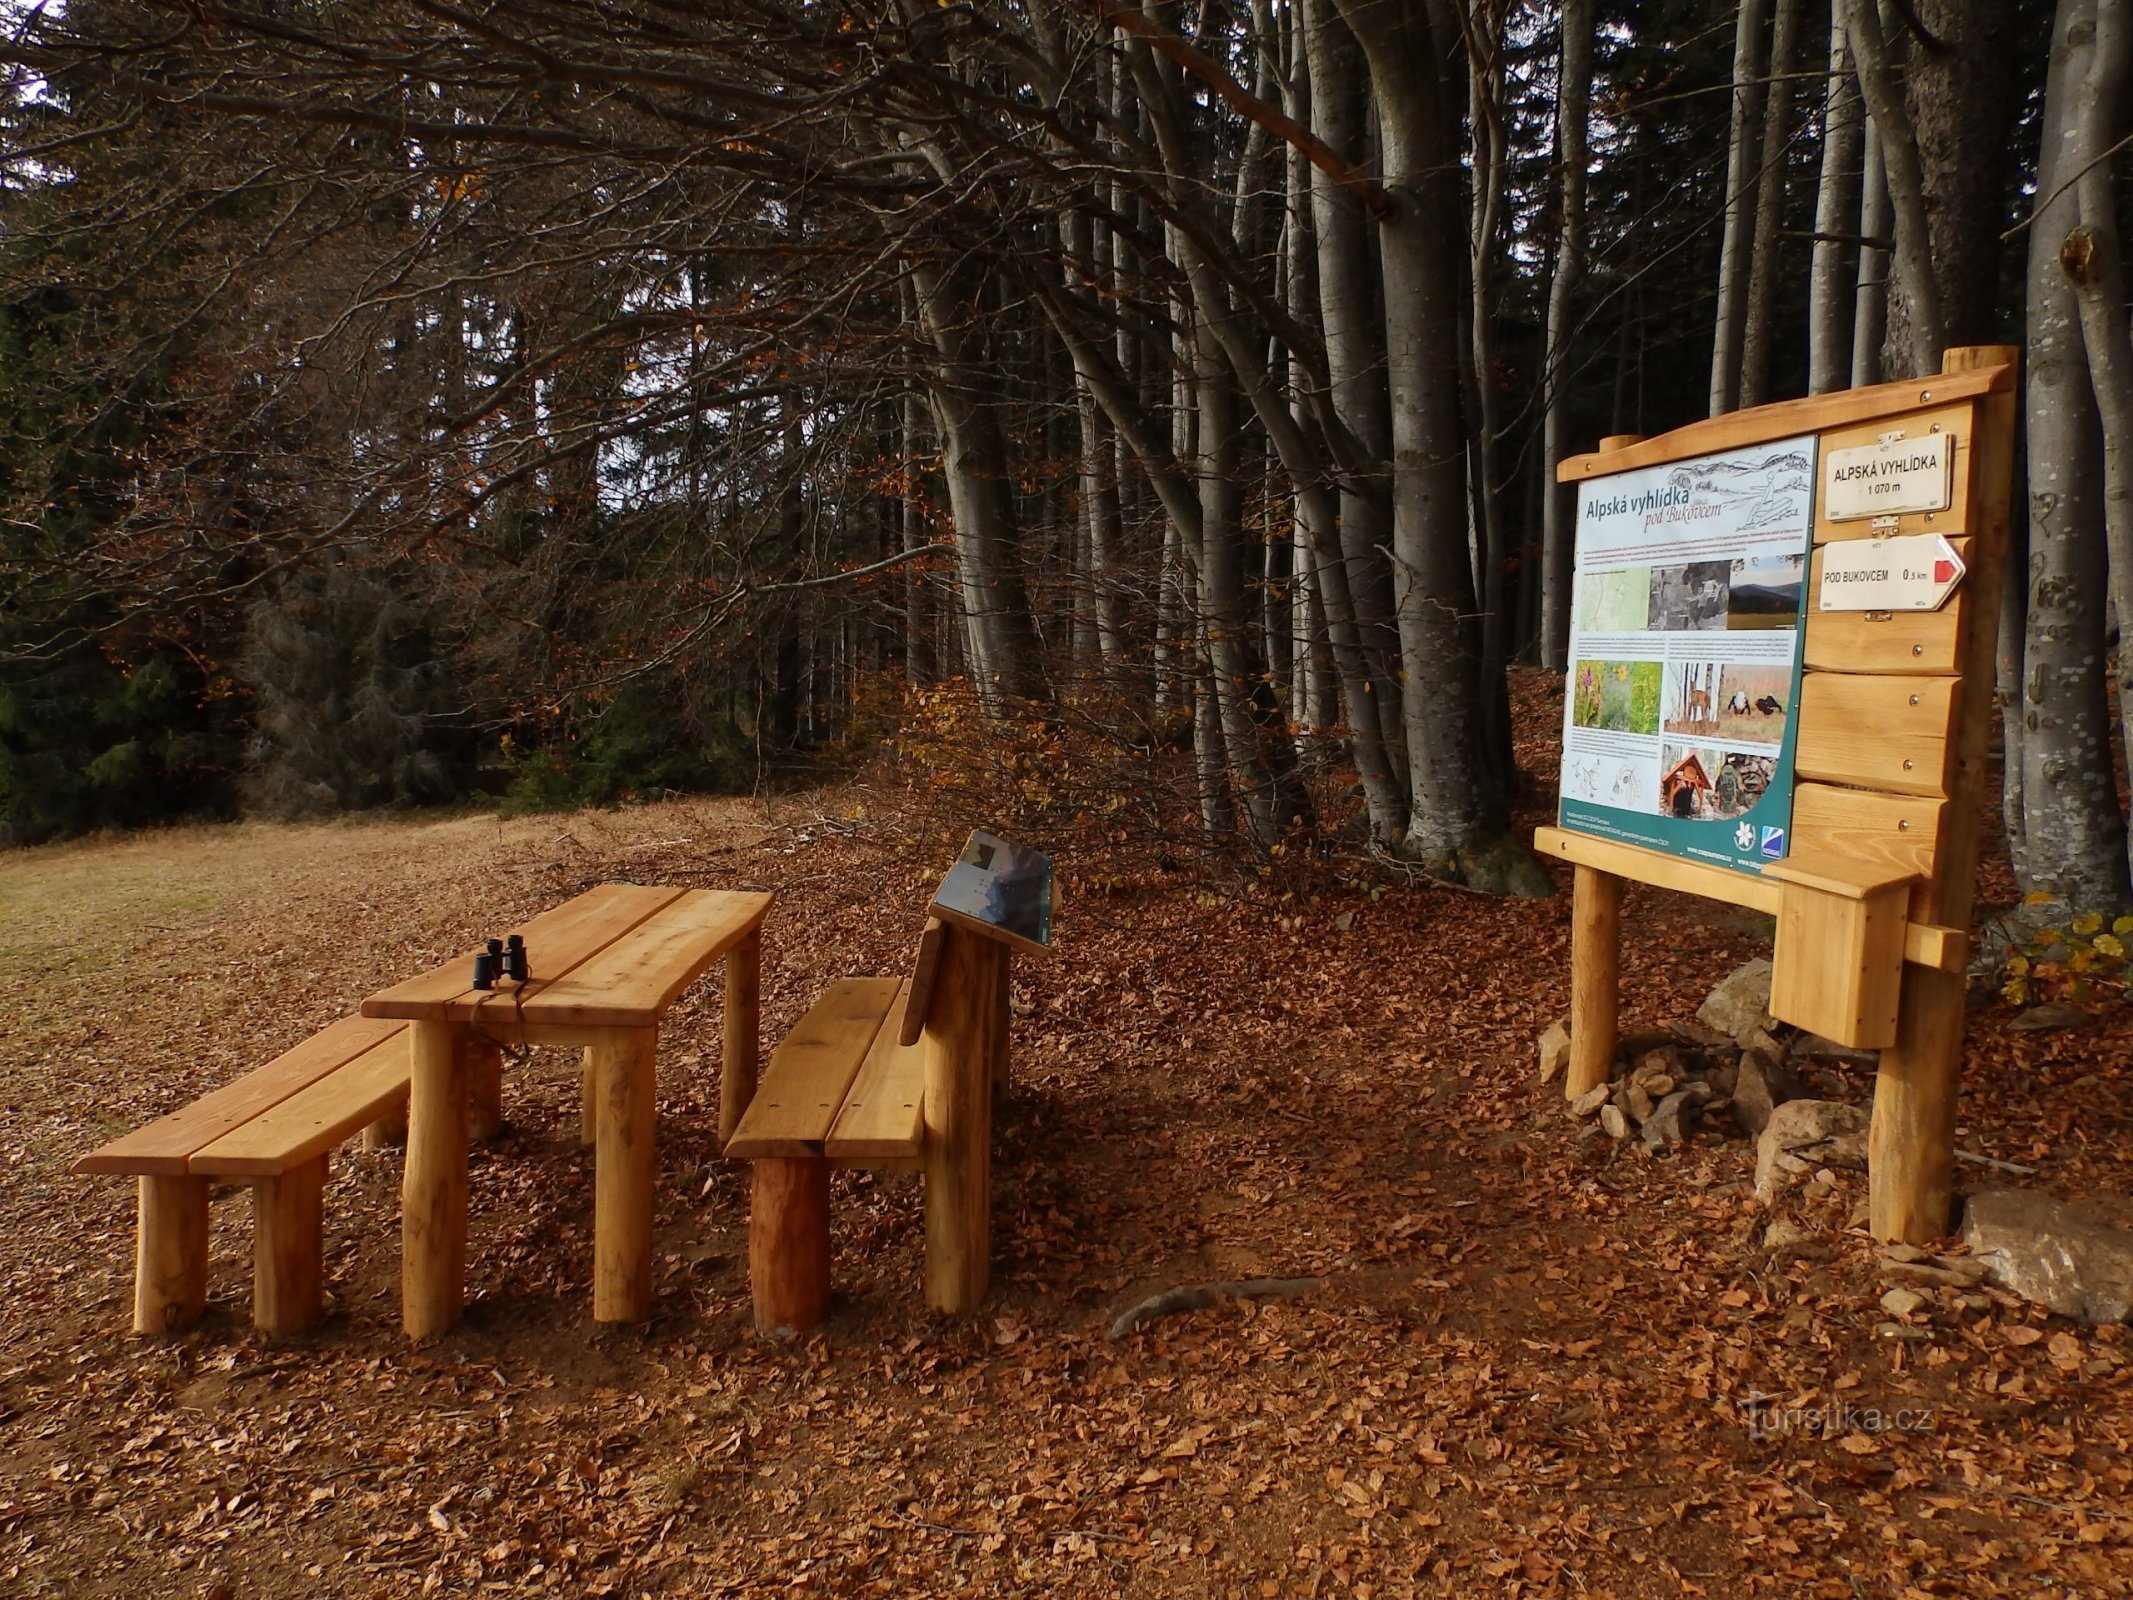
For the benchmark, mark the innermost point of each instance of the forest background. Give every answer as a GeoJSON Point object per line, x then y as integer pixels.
{"type": "Point", "coordinates": [1150, 408]}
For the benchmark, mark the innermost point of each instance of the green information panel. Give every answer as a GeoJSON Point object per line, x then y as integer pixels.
{"type": "Point", "coordinates": [1678, 721]}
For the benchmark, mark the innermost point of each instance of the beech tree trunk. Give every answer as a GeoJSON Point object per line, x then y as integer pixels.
{"type": "Point", "coordinates": [1573, 114]}
{"type": "Point", "coordinates": [1831, 284]}
{"type": "Point", "coordinates": [2074, 838]}
{"type": "Point", "coordinates": [1760, 325]}
{"type": "Point", "coordinates": [1743, 159]}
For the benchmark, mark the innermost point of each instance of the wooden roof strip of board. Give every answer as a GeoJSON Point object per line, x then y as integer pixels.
{"type": "Point", "coordinates": [884, 1109]}
{"type": "Point", "coordinates": [804, 1086]}
{"type": "Point", "coordinates": [556, 941]}
{"type": "Point", "coordinates": [635, 978]}
{"type": "Point", "coordinates": [163, 1147]}
{"type": "Point", "coordinates": [313, 1120]}
{"type": "Point", "coordinates": [1815, 414]}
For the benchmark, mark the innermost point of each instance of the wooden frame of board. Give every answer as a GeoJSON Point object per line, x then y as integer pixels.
{"type": "Point", "coordinates": [1873, 902]}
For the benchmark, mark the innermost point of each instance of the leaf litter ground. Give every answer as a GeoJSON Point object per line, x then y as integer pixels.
{"type": "Point", "coordinates": [1531, 1371]}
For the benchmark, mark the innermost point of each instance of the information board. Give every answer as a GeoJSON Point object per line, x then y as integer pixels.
{"type": "Point", "coordinates": [1678, 719]}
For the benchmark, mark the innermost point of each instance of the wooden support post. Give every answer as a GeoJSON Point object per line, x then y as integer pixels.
{"type": "Point", "coordinates": [485, 1088]}
{"type": "Point", "coordinates": [288, 1245]}
{"type": "Point", "coordinates": [170, 1255]}
{"type": "Point", "coordinates": [390, 1128]}
{"type": "Point", "coordinates": [1003, 1021]}
{"type": "Point", "coordinates": [589, 1101]}
{"type": "Point", "coordinates": [433, 1203]}
{"type": "Point", "coordinates": [1911, 1148]}
{"type": "Point", "coordinates": [789, 1244]}
{"type": "Point", "coordinates": [958, 1138]}
{"type": "Point", "coordinates": [1595, 978]}
{"type": "Point", "coordinates": [626, 1164]}
{"type": "Point", "coordinates": [737, 1055]}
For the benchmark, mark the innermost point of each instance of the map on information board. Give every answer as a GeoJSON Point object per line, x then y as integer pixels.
{"type": "Point", "coordinates": [1678, 723]}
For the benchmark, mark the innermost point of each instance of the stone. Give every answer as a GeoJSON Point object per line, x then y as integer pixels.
{"type": "Point", "coordinates": [1784, 1234]}
{"type": "Point", "coordinates": [1661, 1063]}
{"type": "Point", "coordinates": [2056, 1253]}
{"type": "Point", "coordinates": [1590, 1101]}
{"type": "Point", "coordinates": [1905, 1252]}
{"type": "Point", "coordinates": [2052, 1017]}
{"type": "Point", "coordinates": [1925, 1272]}
{"type": "Point", "coordinates": [1803, 1136]}
{"type": "Point", "coordinates": [1902, 1302]}
{"type": "Point", "coordinates": [1697, 1034]}
{"type": "Point", "coordinates": [1722, 1079]}
{"type": "Point", "coordinates": [1631, 1046]}
{"type": "Point", "coordinates": [1656, 1084]}
{"type": "Point", "coordinates": [1554, 1053]}
{"type": "Point", "coordinates": [1614, 1122]}
{"type": "Point", "coordinates": [1670, 1121]}
{"type": "Point", "coordinates": [1637, 1101]}
{"type": "Point", "coordinates": [1761, 1085]}
{"type": "Point", "coordinates": [1741, 1004]}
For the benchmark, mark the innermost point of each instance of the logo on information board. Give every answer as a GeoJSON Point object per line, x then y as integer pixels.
{"type": "Point", "coordinates": [1774, 844]}
{"type": "Point", "coordinates": [1744, 836]}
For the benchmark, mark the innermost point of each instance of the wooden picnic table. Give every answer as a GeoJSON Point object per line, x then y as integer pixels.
{"type": "Point", "coordinates": [605, 967]}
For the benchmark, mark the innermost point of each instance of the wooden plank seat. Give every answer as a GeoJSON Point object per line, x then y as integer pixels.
{"type": "Point", "coordinates": [273, 1130]}
{"type": "Point", "coordinates": [840, 1090]}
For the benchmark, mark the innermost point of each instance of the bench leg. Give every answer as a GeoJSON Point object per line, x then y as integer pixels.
{"type": "Point", "coordinates": [485, 1088]}
{"type": "Point", "coordinates": [170, 1259]}
{"type": "Point", "coordinates": [433, 1189]}
{"type": "Point", "coordinates": [960, 1060]}
{"type": "Point", "coordinates": [390, 1129]}
{"type": "Point", "coordinates": [625, 1165]}
{"type": "Point", "coordinates": [288, 1229]}
{"type": "Point", "coordinates": [589, 1102]}
{"type": "Point", "coordinates": [737, 1054]}
{"type": "Point", "coordinates": [789, 1244]}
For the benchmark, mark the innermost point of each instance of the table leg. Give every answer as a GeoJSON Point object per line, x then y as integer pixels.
{"type": "Point", "coordinates": [589, 1099]}
{"type": "Point", "coordinates": [625, 1164]}
{"type": "Point", "coordinates": [737, 1057]}
{"type": "Point", "coordinates": [288, 1240]}
{"type": "Point", "coordinates": [170, 1257]}
{"type": "Point", "coordinates": [433, 1221]}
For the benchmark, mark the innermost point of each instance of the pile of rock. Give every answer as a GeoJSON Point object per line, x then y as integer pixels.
{"type": "Point", "coordinates": [1731, 1069]}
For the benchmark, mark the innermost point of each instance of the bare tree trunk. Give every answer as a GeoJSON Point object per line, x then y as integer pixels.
{"type": "Point", "coordinates": [1763, 275]}
{"type": "Point", "coordinates": [2073, 835]}
{"type": "Point", "coordinates": [1914, 275]}
{"type": "Point", "coordinates": [1831, 283]}
{"type": "Point", "coordinates": [1743, 152]}
{"type": "Point", "coordinates": [1877, 222]}
{"type": "Point", "coordinates": [2091, 258]}
{"type": "Point", "coordinates": [1573, 115]}
{"type": "Point", "coordinates": [1485, 88]}
{"type": "Point", "coordinates": [918, 656]}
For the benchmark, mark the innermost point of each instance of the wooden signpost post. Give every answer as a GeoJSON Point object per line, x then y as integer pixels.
{"type": "Point", "coordinates": [1872, 875]}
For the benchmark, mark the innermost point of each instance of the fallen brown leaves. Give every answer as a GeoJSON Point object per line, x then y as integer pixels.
{"type": "Point", "coordinates": [1537, 1367]}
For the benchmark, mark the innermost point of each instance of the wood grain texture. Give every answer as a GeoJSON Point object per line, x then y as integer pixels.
{"type": "Point", "coordinates": [1901, 832]}
{"type": "Point", "coordinates": [624, 1179]}
{"type": "Point", "coordinates": [805, 1083]}
{"type": "Point", "coordinates": [1911, 1145]}
{"type": "Point", "coordinates": [789, 1244]}
{"type": "Point", "coordinates": [958, 1141]}
{"type": "Point", "coordinates": [1837, 968]}
{"type": "Point", "coordinates": [485, 1088]}
{"type": "Point", "coordinates": [1959, 419]}
{"type": "Point", "coordinates": [1595, 978]}
{"type": "Point", "coordinates": [556, 941]}
{"type": "Point", "coordinates": [631, 982]}
{"type": "Point", "coordinates": [740, 1035]}
{"type": "Point", "coordinates": [1815, 414]}
{"type": "Point", "coordinates": [315, 1119]}
{"type": "Point", "coordinates": [923, 971]}
{"type": "Point", "coordinates": [165, 1145]}
{"type": "Point", "coordinates": [288, 1248]}
{"type": "Point", "coordinates": [1889, 733]}
{"type": "Point", "coordinates": [883, 1113]}
{"type": "Point", "coordinates": [170, 1254]}
{"type": "Point", "coordinates": [1919, 642]}
{"type": "Point", "coordinates": [433, 1190]}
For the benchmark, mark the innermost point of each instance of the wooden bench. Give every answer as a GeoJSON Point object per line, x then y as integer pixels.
{"type": "Point", "coordinates": [889, 1075]}
{"type": "Point", "coordinates": [273, 1130]}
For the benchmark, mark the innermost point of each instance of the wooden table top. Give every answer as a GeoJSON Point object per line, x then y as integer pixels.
{"type": "Point", "coordinates": [616, 956]}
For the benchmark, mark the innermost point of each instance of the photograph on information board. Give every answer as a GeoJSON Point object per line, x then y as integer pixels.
{"type": "Point", "coordinates": [1684, 653]}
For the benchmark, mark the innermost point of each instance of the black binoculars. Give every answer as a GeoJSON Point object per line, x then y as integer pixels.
{"type": "Point", "coordinates": [503, 959]}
